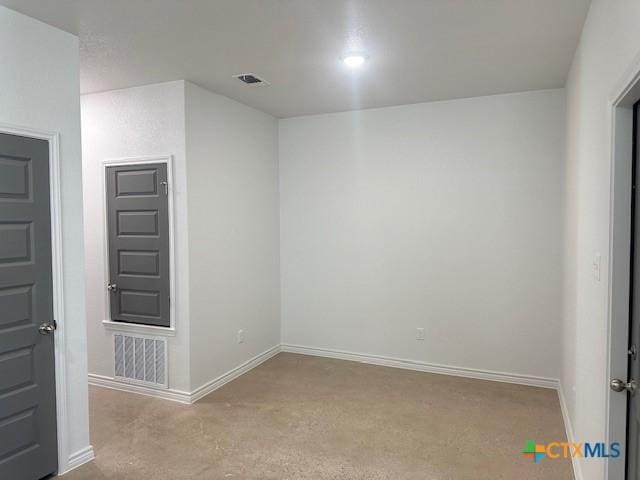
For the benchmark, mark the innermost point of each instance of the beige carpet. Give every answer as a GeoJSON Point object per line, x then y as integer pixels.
{"type": "Point", "coordinates": [301, 417]}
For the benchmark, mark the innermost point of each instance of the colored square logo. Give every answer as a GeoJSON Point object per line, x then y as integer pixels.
{"type": "Point", "coordinates": [533, 451]}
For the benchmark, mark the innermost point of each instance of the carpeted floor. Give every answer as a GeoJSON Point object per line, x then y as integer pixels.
{"type": "Point", "coordinates": [300, 417]}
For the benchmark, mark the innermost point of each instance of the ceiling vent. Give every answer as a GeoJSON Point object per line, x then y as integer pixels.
{"type": "Point", "coordinates": [251, 79]}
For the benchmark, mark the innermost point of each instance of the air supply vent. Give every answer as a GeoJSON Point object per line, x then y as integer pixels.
{"type": "Point", "coordinates": [251, 79]}
{"type": "Point", "coordinates": [140, 360]}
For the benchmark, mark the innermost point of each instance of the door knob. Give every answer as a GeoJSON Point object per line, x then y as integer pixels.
{"type": "Point", "coordinates": [112, 287]}
{"type": "Point", "coordinates": [618, 385]}
{"type": "Point", "coordinates": [46, 329]}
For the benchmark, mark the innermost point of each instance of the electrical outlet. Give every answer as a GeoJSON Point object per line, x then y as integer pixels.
{"type": "Point", "coordinates": [240, 336]}
{"type": "Point", "coordinates": [419, 333]}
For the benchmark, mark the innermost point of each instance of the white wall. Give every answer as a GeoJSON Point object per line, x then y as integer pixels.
{"type": "Point", "coordinates": [232, 164]}
{"type": "Point", "coordinates": [610, 42]}
{"type": "Point", "coordinates": [443, 215]}
{"type": "Point", "coordinates": [39, 89]}
{"type": "Point", "coordinates": [133, 122]}
{"type": "Point", "coordinates": [227, 252]}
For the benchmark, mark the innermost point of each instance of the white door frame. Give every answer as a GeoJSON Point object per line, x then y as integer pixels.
{"type": "Point", "coordinates": [621, 140]}
{"type": "Point", "coordinates": [60, 335]}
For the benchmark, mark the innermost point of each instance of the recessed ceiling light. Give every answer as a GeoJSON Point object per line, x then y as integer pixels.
{"type": "Point", "coordinates": [354, 60]}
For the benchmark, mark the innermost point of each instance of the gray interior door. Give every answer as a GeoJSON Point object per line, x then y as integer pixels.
{"type": "Point", "coordinates": [138, 228]}
{"type": "Point", "coordinates": [28, 440]}
{"type": "Point", "coordinates": [633, 414]}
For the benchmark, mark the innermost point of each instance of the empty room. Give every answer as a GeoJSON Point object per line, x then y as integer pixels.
{"type": "Point", "coordinates": [319, 239]}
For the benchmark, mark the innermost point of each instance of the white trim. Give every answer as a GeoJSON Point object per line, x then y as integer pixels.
{"type": "Point", "coordinates": [577, 471]}
{"type": "Point", "coordinates": [60, 336]}
{"type": "Point", "coordinates": [179, 395]}
{"type": "Point", "coordinates": [207, 388]}
{"type": "Point", "coordinates": [234, 373]}
{"type": "Point", "coordinates": [80, 458]}
{"type": "Point", "coordinates": [621, 101]}
{"type": "Point", "coordinates": [424, 366]}
{"type": "Point", "coordinates": [139, 328]}
{"type": "Point", "coordinates": [163, 393]}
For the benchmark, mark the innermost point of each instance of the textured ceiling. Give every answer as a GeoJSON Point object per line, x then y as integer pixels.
{"type": "Point", "coordinates": [419, 50]}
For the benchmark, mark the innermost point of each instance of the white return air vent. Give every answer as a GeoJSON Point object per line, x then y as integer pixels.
{"type": "Point", "coordinates": [140, 360]}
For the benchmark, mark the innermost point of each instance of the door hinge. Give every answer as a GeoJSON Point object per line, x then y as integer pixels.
{"type": "Point", "coordinates": [166, 187]}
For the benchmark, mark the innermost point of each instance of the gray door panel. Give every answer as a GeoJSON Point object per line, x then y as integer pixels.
{"type": "Point", "coordinates": [28, 440]}
{"type": "Point", "coordinates": [138, 228]}
{"type": "Point", "coordinates": [633, 415]}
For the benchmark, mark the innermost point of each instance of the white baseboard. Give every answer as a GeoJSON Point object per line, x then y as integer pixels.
{"type": "Point", "coordinates": [79, 458]}
{"type": "Point", "coordinates": [577, 471]}
{"type": "Point", "coordinates": [179, 395]}
{"type": "Point", "coordinates": [424, 366]}
{"type": "Point", "coordinates": [216, 383]}
{"type": "Point", "coordinates": [163, 393]}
